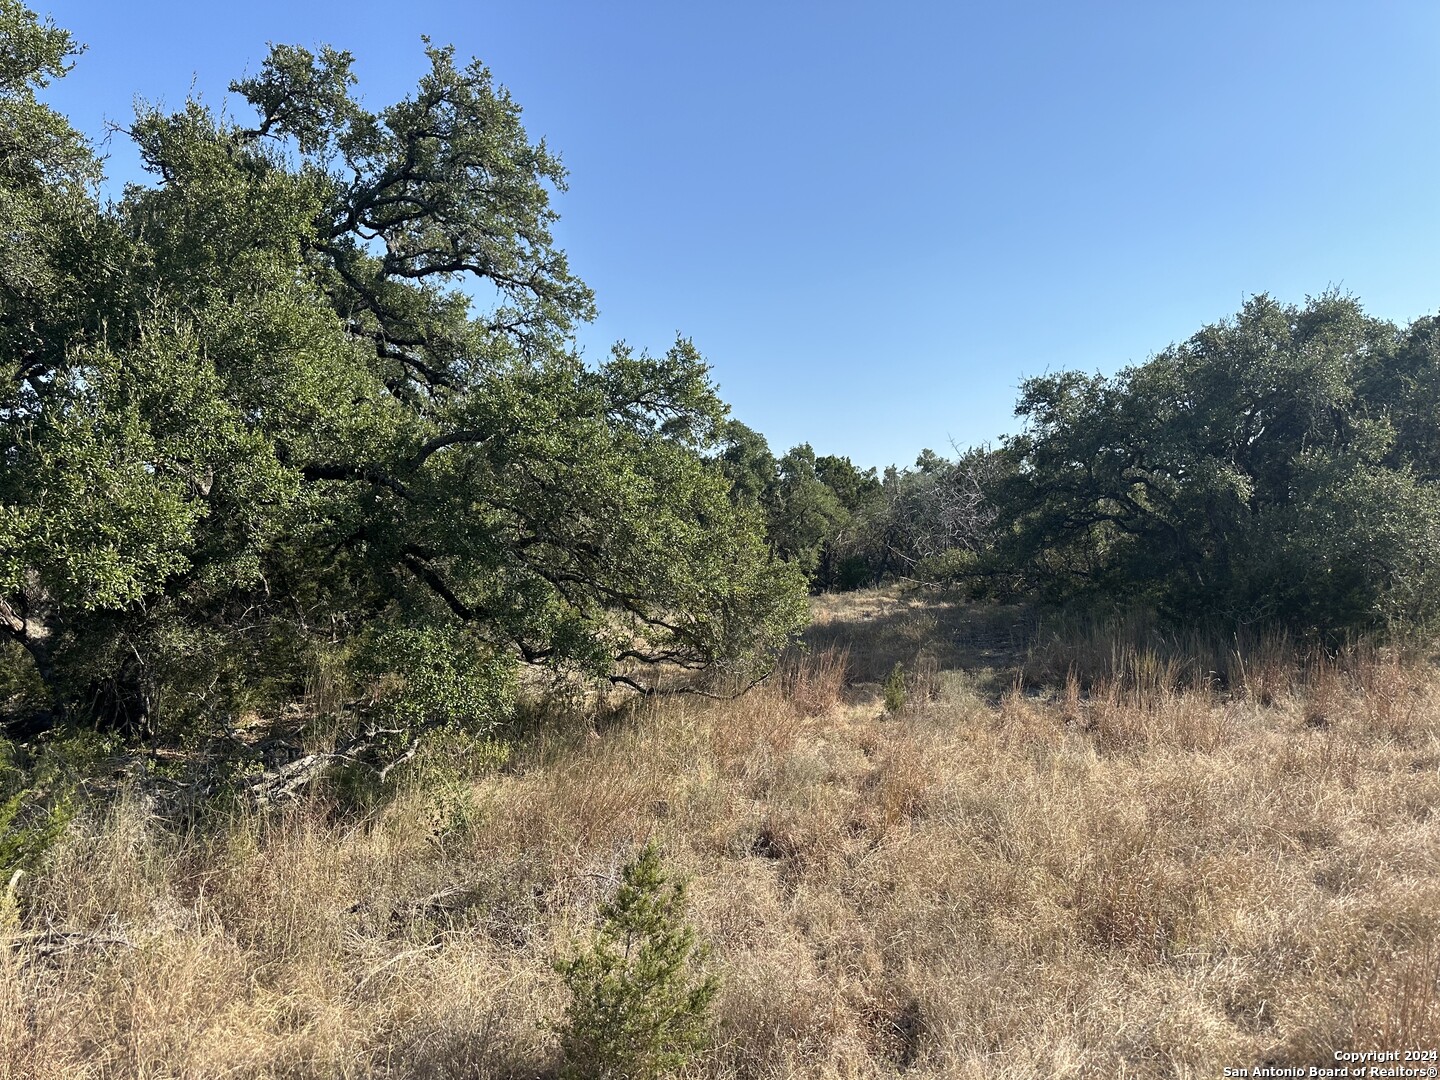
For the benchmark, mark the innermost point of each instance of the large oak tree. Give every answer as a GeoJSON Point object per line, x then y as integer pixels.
{"type": "Point", "coordinates": [1277, 467]}
{"type": "Point", "coordinates": [249, 409]}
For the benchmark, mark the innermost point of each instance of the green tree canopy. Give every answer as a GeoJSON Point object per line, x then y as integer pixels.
{"type": "Point", "coordinates": [252, 407]}
{"type": "Point", "coordinates": [856, 488]}
{"type": "Point", "coordinates": [1277, 466]}
{"type": "Point", "coordinates": [804, 511]}
{"type": "Point", "coordinates": [744, 458]}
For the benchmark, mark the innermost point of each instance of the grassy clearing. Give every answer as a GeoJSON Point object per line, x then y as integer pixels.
{"type": "Point", "coordinates": [1107, 870]}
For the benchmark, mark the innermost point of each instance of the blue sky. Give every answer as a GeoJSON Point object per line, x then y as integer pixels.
{"type": "Point", "coordinates": [876, 219]}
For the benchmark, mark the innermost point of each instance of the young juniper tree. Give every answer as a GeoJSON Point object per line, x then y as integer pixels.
{"type": "Point", "coordinates": [638, 1005]}
{"type": "Point", "coordinates": [264, 413]}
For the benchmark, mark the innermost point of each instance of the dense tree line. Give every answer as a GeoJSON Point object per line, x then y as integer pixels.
{"type": "Point", "coordinates": [247, 415]}
{"type": "Point", "coordinates": [847, 526]}
{"type": "Point", "coordinates": [1280, 467]}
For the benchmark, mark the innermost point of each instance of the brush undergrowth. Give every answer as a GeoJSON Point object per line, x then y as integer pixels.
{"type": "Point", "coordinates": [1093, 857]}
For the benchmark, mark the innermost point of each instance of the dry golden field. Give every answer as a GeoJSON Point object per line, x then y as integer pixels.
{"type": "Point", "coordinates": [1059, 859]}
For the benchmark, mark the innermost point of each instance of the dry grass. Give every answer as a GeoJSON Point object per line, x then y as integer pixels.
{"type": "Point", "coordinates": [1119, 871]}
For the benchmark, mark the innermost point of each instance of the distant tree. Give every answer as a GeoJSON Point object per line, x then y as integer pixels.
{"type": "Point", "coordinates": [808, 501]}
{"type": "Point", "coordinates": [804, 511]}
{"type": "Point", "coordinates": [1403, 384]}
{"type": "Point", "coordinates": [856, 488]}
{"type": "Point", "coordinates": [745, 460]}
{"type": "Point", "coordinates": [929, 462]}
{"type": "Point", "coordinates": [247, 411]}
{"type": "Point", "coordinates": [929, 522]}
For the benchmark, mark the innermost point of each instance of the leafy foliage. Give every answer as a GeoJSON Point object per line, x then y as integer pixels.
{"type": "Point", "coordinates": [808, 502]}
{"type": "Point", "coordinates": [251, 408]}
{"type": "Point", "coordinates": [1281, 467]}
{"type": "Point", "coordinates": [28, 828]}
{"type": "Point", "coordinates": [428, 678]}
{"type": "Point", "coordinates": [805, 512]}
{"type": "Point", "coordinates": [637, 1009]}
{"type": "Point", "coordinates": [1275, 467]}
{"type": "Point", "coordinates": [37, 805]}
{"type": "Point", "coordinates": [926, 523]}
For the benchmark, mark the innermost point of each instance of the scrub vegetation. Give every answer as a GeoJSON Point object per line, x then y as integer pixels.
{"type": "Point", "coordinates": [388, 691]}
{"type": "Point", "coordinates": [1151, 877]}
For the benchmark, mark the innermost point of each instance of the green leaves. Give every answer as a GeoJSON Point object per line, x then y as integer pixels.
{"type": "Point", "coordinates": [637, 1010]}
{"type": "Point", "coordinates": [428, 677]}
{"type": "Point", "coordinates": [28, 829]}
{"type": "Point", "coordinates": [31, 52]}
{"type": "Point", "coordinates": [248, 409]}
{"type": "Point", "coordinates": [1252, 472]}
{"type": "Point", "coordinates": [804, 511]}
{"type": "Point", "coordinates": [301, 95]}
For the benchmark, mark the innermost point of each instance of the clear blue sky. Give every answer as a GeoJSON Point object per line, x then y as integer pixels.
{"type": "Point", "coordinates": [876, 219]}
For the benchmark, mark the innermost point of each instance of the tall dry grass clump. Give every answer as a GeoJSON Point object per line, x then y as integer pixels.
{"type": "Point", "coordinates": [814, 683]}
{"type": "Point", "coordinates": [1100, 858]}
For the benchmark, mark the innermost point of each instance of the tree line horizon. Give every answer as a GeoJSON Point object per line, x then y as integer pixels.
{"type": "Point", "coordinates": [251, 423]}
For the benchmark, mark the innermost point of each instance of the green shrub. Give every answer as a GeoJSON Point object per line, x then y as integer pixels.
{"type": "Point", "coordinates": [28, 829]}
{"type": "Point", "coordinates": [37, 802]}
{"type": "Point", "coordinates": [638, 1009]}
{"type": "Point", "coordinates": [431, 677]}
{"type": "Point", "coordinates": [895, 689]}
{"type": "Point", "coordinates": [20, 687]}
{"type": "Point", "coordinates": [853, 572]}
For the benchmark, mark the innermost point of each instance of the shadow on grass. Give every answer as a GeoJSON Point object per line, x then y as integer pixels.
{"type": "Point", "coordinates": [918, 630]}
